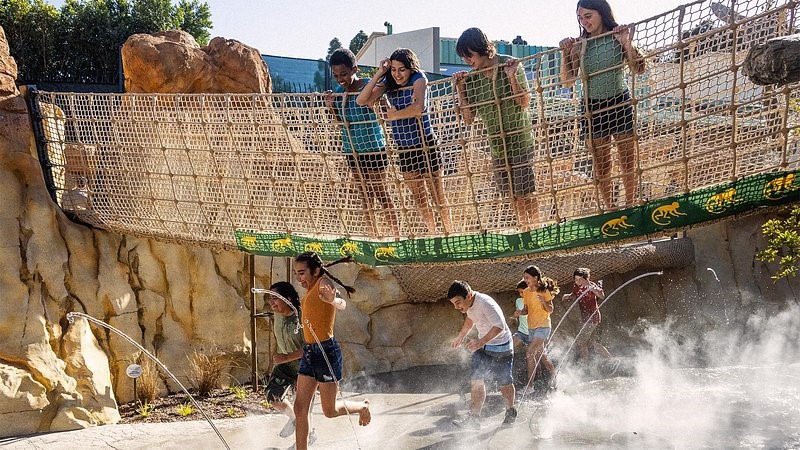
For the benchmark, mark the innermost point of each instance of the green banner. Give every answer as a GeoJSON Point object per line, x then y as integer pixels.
{"type": "Point", "coordinates": [656, 216]}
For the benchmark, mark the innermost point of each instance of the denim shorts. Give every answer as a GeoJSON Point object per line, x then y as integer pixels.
{"type": "Point", "coordinates": [525, 338]}
{"type": "Point", "coordinates": [313, 363]}
{"type": "Point", "coordinates": [541, 333]}
{"type": "Point", "coordinates": [489, 367]}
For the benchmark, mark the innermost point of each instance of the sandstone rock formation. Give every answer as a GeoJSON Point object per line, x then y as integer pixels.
{"type": "Point", "coordinates": [172, 62]}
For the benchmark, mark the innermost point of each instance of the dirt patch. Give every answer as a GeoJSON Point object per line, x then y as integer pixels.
{"type": "Point", "coordinates": [219, 404]}
{"type": "Point", "coordinates": [242, 401]}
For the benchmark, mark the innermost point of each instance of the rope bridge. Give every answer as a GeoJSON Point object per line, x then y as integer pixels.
{"type": "Point", "coordinates": [595, 156]}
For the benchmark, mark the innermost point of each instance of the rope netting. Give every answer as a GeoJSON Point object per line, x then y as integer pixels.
{"type": "Point", "coordinates": [597, 127]}
{"type": "Point", "coordinates": [421, 283]}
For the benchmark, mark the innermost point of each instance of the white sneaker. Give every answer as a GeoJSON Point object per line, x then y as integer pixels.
{"type": "Point", "coordinates": [287, 430]}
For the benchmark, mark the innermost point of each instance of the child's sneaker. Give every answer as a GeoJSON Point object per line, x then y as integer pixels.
{"type": "Point", "coordinates": [468, 422]}
{"type": "Point", "coordinates": [511, 416]}
{"type": "Point", "coordinates": [287, 430]}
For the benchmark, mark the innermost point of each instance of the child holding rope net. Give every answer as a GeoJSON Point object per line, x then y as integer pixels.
{"type": "Point", "coordinates": [498, 92]}
{"type": "Point", "coordinates": [599, 55]}
{"type": "Point", "coordinates": [401, 78]}
{"type": "Point", "coordinates": [362, 137]}
{"type": "Point", "coordinates": [321, 364]}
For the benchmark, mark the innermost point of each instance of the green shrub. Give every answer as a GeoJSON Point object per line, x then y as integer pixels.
{"type": "Point", "coordinates": [184, 409]}
{"type": "Point", "coordinates": [145, 409]}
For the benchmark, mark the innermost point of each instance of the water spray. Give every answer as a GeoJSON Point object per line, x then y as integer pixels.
{"type": "Point", "coordinates": [724, 308]}
{"type": "Point", "coordinates": [544, 350]}
{"type": "Point", "coordinates": [608, 297]}
{"type": "Point", "coordinates": [71, 318]}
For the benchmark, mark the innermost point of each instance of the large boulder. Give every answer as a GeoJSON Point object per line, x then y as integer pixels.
{"type": "Point", "coordinates": [172, 61]}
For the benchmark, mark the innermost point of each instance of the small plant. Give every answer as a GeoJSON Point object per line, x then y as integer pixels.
{"type": "Point", "coordinates": [238, 391]}
{"type": "Point", "coordinates": [147, 384]}
{"type": "Point", "coordinates": [265, 404]}
{"type": "Point", "coordinates": [783, 239]}
{"type": "Point", "coordinates": [145, 409]}
{"type": "Point", "coordinates": [205, 371]}
{"type": "Point", "coordinates": [184, 409]}
{"type": "Point", "coordinates": [231, 412]}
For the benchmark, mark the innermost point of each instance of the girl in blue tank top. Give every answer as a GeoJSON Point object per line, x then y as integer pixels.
{"type": "Point", "coordinates": [402, 80]}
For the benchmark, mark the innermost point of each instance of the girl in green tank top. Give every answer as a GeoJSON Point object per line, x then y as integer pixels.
{"type": "Point", "coordinates": [598, 57]}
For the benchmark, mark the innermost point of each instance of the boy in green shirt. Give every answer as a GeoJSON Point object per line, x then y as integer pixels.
{"type": "Point", "coordinates": [500, 96]}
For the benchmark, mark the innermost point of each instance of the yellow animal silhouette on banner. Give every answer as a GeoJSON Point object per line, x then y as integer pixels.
{"type": "Point", "coordinates": [612, 227]}
{"type": "Point", "coordinates": [282, 245]}
{"type": "Point", "coordinates": [717, 204]}
{"type": "Point", "coordinates": [315, 247]}
{"type": "Point", "coordinates": [779, 187]}
{"type": "Point", "coordinates": [384, 253]}
{"type": "Point", "coordinates": [249, 241]}
{"type": "Point", "coordinates": [663, 214]}
{"type": "Point", "coordinates": [350, 249]}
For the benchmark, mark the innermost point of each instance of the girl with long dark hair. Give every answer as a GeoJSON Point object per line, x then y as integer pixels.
{"type": "Point", "coordinates": [321, 363]}
{"type": "Point", "coordinates": [411, 130]}
{"type": "Point", "coordinates": [600, 54]}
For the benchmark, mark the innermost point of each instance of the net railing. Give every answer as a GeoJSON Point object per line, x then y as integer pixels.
{"type": "Point", "coordinates": [585, 135]}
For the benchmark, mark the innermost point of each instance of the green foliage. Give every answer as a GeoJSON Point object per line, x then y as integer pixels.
{"type": "Point", "coordinates": [80, 42]}
{"type": "Point", "coordinates": [334, 45]}
{"type": "Point", "coordinates": [145, 409]}
{"type": "Point", "coordinates": [184, 409]}
{"type": "Point", "coordinates": [358, 41]}
{"type": "Point", "coordinates": [238, 391]}
{"type": "Point", "coordinates": [231, 412]}
{"type": "Point", "coordinates": [194, 17]}
{"type": "Point", "coordinates": [783, 238]}
{"type": "Point", "coordinates": [266, 404]}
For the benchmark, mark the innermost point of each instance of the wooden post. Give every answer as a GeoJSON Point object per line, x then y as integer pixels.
{"type": "Point", "coordinates": [251, 263]}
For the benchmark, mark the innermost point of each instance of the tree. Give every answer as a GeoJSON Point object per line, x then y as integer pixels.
{"type": "Point", "coordinates": [783, 236]}
{"type": "Point", "coordinates": [519, 41]}
{"type": "Point", "coordinates": [194, 17]}
{"type": "Point", "coordinates": [358, 41]}
{"type": "Point", "coordinates": [80, 42]}
{"type": "Point", "coordinates": [30, 28]}
{"type": "Point", "coordinates": [334, 45]}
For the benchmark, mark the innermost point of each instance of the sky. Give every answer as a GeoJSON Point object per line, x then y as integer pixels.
{"type": "Point", "coordinates": [304, 28]}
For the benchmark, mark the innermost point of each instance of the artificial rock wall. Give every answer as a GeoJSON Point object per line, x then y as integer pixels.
{"type": "Point", "coordinates": [174, 299]}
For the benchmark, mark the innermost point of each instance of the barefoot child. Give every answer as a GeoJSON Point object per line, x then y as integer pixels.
{"type": "Point", "coordinates": [321, 364]}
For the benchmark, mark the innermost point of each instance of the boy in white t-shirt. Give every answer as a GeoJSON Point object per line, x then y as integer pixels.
{"type": "Point", "coordinates": [492, 352]}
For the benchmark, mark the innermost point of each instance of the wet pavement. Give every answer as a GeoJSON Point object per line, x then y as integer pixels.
{"type": "Point", "coordinates": [399, 421]}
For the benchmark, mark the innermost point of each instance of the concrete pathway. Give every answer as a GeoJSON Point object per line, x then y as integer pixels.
{"type": "Point", "coordinates": [399, 421]}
